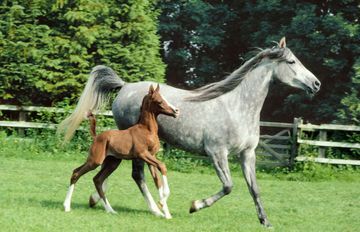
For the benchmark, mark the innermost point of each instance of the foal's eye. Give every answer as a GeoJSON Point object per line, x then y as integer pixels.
{"type": "Point", "coordinates": [290, 61]}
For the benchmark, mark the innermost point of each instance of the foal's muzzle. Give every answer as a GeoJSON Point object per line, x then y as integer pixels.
{"type": "Point", "coordinates": [176, 112]}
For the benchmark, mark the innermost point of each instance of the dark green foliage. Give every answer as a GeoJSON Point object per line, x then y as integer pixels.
{"type": "Point", "coordinates": [194, 32]}
{"type": "Point", "coordinates": [350, 110]}
{"type": "Point", "coordinates": [49, 47]}
{"type": "Point", "coordinates": [211, 38]}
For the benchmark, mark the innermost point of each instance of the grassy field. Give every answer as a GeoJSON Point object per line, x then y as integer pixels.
{"type": "Point", "coordinates": [33, 187]}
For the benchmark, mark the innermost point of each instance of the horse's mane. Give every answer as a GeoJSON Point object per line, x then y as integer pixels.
{"type": "Point", "coordinates": [216, 89]}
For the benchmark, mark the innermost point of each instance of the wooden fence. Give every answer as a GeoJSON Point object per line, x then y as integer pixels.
{"type": "Point", "coordinates": [322, 143]}
{"type": "Point", "coordinates": [279, 142]}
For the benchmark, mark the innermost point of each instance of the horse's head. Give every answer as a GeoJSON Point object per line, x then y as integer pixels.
{"type": "Point", "coordinates": [158, 104]}
{"type": "Point", "coordinates": [289, 70]}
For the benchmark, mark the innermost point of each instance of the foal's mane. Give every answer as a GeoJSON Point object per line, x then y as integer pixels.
{"type": "Point", "coordinates": [216, 89]}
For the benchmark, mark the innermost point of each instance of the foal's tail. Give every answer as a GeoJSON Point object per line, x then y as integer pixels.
{"type": "Point", "coordinates": [92, 121]}
{"type": "Point", "coordinates": [101, 82]}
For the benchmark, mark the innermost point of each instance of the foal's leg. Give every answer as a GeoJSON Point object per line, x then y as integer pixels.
{"type": "Point", "coordinates": [164, 190]}
{"type": "Point", "coordinates": [95, 197]}
{"type": "Point", "coordinates": [248, 159]}
{"type": "Point", "coordinates": [222, 170]}
{"type": "Point", "coordinates": [159, 185]}
{"type": "Point", "coordinates": [109, 166]}
{"type": "Point", "coordinates": [77, 173]}
{"type": "Point", "coordinates": [138, 176]}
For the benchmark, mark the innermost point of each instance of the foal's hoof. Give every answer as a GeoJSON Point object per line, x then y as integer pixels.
{"type": "Point", "coordinates": [111, 211]}
{"type": "Point", "coordinates": [92, 202]}
{"type": "Point", "coordinates": [158, 214]}
{"type": "Point", "coordinates": [66, 207]}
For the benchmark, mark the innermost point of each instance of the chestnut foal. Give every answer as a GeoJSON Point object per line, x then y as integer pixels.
{"type": "Point", "coordinates": [140, 141]}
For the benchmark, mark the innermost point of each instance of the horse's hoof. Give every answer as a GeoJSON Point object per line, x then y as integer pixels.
{"type": "Point", "coordinates": [193, 207]}
{"type": "Point", "coordinates": [266, 224]}
{"type": "Point", "coordinates": [92, 202]}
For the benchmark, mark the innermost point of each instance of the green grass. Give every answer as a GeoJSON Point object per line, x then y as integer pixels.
{"type": "Point", "coordinates": [33, 187]}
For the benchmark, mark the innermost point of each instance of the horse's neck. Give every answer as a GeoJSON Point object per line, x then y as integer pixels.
{"type": "Point", "coordinates": [252, 91]}
{"type": "Point", "coordinates": [148, 119]}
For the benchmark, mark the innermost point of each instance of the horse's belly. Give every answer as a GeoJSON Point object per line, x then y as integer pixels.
{"type": "Point", "coordinates": [180, 134]}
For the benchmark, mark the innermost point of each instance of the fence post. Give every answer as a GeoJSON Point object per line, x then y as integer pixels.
{"type": "Point", "coordinates": [294, 147]}
{"type": "Point", "coordinates": [322, 137]}
{"type": "Point", "coordinates": [22, 118]}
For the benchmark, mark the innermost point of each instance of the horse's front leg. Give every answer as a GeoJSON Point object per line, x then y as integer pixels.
{"type": "Point", "coordinates": [164, 190]}
{"type": "Point", "coordinates": [248, 159]}
{"type": "Point", "coordinates": [138, 176]}
{"type": "Point", "coordinates": [220, 161]}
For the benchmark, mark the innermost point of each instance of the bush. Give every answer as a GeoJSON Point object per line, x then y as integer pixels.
{"type": "Point", "coordinates": [67, 39]}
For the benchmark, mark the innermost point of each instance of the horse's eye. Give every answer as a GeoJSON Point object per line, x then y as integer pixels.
{"type": "Point", "coordinates": [290, 61]}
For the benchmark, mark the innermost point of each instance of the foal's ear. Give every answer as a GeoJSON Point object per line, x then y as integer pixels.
{"type": "Point", "coordinates": [157, 88]}
{"type": "Point", "coordinates": [282, 43]}
{"type": "Point", "coordinates": [151, 89]}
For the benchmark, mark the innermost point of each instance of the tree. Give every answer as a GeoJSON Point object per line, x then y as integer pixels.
{"type": "Point", "coordinates": [324, 35]}
{"type": "Point", "coordinates": [192, 33]}
{"type": "Point", "coordinates": [350, 110]}
{"type": "Point", "coordinates": [49, 47]}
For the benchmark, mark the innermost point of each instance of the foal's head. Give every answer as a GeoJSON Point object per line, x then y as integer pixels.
{"type": "Point", "coordinates": [157, 104]}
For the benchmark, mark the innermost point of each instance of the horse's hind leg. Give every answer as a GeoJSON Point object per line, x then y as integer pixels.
{"type": "Point", "coordinates": [248, 167]}
{"type": "Point", "coordinates": [138, 176]}
{"type": "Point", "coordinates": [109, 166]}
{"type": "Point", "coordinates": [222, 169]}
{"type": "Point", "coordinates": [77, 173]}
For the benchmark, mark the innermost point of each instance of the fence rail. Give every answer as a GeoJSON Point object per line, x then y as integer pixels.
{"type": "Point", "coordinates": [282, 147]}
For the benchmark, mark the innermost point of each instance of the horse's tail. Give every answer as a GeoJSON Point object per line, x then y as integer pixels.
{"type": "Point", "coordinates": [101, 82]}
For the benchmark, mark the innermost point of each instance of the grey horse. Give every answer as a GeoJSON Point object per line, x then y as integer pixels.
{"type": "Point", "coordinates": [215, 120]}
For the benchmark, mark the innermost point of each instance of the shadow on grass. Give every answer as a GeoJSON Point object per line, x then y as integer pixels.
{"type": "Point", "coordinates": [50, 204]}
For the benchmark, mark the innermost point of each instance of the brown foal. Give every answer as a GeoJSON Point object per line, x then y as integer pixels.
{"type": "Point", "coordinates": [140, 141]}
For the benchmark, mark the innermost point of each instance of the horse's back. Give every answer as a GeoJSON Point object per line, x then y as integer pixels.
{"type": "Point", "coordinates": [199, 124]}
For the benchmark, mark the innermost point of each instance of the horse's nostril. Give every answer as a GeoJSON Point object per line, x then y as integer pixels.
{"type": "Point", "coordinates": [317, 85]}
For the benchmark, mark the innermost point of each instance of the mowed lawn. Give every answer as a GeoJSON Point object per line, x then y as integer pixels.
{"type": "Point", "coordinates": [32, 192]}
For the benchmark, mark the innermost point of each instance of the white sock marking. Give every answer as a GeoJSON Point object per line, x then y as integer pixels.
{"type": "Point", "coordinates": [151, 203]}
{"type": "Point", "coordinates": [107, 206]}
{"type": "Point", "coordinates": [164, 192]}
{"type": "Point", "coordinates": [67, 202]}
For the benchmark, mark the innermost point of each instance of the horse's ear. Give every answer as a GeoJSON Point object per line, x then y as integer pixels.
{"type": "Point", "coordinates": [151, 89]}
{"type": "Point", "coordinates": [157, 88]}
{"type": "Point", "coordinates": [282, 43]}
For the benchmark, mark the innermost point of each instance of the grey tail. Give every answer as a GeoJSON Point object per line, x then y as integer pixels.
{"type": "Point", "coordinates": [101, 82]}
